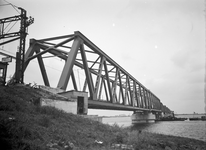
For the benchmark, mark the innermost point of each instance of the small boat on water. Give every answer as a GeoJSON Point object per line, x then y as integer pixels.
{"type": "Point", "coordinates": [194, 119]}
{"type": "Point", "coordinates": [203, 118]}
{"type": "Point", "coordinates": [171, 119]}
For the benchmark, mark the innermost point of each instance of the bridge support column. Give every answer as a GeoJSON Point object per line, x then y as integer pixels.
{"type": "Point", "coordinates": [159, 115]}
{"type": "Point", "coordinates": [143, 117]}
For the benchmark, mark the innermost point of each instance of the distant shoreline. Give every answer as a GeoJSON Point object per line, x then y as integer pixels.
{"type": "Point", "coordinates": [196, 114]}
{"type": "Point", "coordinates": [193, 114]}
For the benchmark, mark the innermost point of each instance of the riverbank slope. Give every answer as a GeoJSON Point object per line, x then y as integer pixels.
{"type": "Point", "coordinates": [26, 125]}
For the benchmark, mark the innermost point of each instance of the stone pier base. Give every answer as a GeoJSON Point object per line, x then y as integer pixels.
{"type": "Point", "coordinates": [142, 117]}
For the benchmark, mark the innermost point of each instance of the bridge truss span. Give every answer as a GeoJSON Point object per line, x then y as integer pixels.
{"type": "Point", "coordinates": [109, 86]}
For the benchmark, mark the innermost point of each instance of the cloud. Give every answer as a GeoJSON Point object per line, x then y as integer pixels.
{"type": "Point", "coordinates": [189, 59]}
{"type": "Point", "coordinates": [126, 56]}
{"type": "Point", "coordinates": [184, 57]}
{"type": "Point", "coordinates": [181, 58]}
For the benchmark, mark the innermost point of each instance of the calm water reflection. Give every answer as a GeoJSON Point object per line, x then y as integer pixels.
{"type": "Point", "coordinates": [191, 129]}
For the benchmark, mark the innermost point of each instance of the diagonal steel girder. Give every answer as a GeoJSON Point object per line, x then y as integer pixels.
{"type": "Point", "coordinates": [64, 79]}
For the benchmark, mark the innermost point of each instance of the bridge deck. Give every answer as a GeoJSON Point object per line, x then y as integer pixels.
{"type": "Point", "coordinates": [94, 104]}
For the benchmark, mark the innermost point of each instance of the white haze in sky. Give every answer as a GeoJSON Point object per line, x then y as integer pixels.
{"type": "Point", "coordinates": [159, 42]}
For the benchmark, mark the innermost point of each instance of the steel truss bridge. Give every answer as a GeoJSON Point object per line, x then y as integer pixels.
{"type": "Point", "coordinates": [103, 76]}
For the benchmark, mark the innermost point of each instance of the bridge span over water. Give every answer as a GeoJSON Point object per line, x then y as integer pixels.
{"type": "Point", "coordinates": [109, 86]}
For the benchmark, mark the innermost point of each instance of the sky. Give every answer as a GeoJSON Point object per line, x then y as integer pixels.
{"type": "Point", "coordinates": [159, 42]}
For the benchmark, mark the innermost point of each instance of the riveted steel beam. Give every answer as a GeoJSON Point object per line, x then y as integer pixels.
{"type": "Point", "coordinates": [114, 86]}
{"type": "Point", "coordinates": [141, 96]}
{"type": "Point", "coordinates": [14, 39]}
{"type": "Point", "coordinates": [42, 68]}
{"type": "Point", "coordinates": [64, 79]}
{"type": "Point", "coordinates": [134, 95]}
{"type": "Point", "coordinates": [105, 88]}
{"type": "Point", "coordinates": [130, 93]}
{"type": "Point", "coordinates": [95, 62]}
{"type": "Point", "coordinates": [57, 38]}
{"type": "Point", "coordinates": [108, 82]}
{"type": "Point", "coordinates": [87, 71]}
{"type": "Point", "coordinates": [126, 96]}
{"type": "Point", "coordinates": [100, 89]}
{"type": "Point", "coordinates": [98, 77]}
{"type": "Point", "coordinates": [74, 81]}
{"type": "Point", "coordinates": [121, 88]}
{"type": "Point", "coordinates": [50, 48]}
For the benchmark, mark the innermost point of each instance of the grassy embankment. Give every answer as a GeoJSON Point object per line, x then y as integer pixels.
{"type": "Point", "coordinates": [26, 125]}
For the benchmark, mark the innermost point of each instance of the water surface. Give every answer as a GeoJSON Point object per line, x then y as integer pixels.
{"type": "Point", "coordinates": [190, 129]}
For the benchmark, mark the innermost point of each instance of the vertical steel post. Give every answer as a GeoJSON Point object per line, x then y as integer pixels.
{"type": "Point", "coordinates": [87, 72]}
{"type": "Point", "coordinates": [100, 89]}
{"type": "Point", "coordinates": [105, 88]}
{"type": "Point", "coordinates": [121, 88]}
{"type": "Point", "coordinates": [141, 96]}
{"type": "Point", "coordinates": [108, 82]}
{"type": "Point", "coordinates": [144, 95]}
{"type": "Point", "coordinates": [20, 54]}
{"type": "Point", "coordinates": [126, 91]}
{"type": "Point", "coordinates": [114, 86]}
{"type": "Point", "coordinates": [98, 78]}
{"type": "Point", "coordinates": [130, 93]}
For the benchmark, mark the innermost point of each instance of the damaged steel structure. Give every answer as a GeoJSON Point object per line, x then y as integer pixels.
{"type": "Point", "coordinates": [102, 74]}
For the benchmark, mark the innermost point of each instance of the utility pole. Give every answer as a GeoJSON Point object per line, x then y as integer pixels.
{"type": "Point", "coordinates": [21, 35]}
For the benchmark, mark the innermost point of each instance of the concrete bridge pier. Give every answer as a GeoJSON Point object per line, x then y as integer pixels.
{"type": "Point", "coordinates": [158, 115]}
{"type": "Point", "coordinates": [143, 117]}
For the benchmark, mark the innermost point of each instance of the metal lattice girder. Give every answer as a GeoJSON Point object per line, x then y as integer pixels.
{"type": "Point", "coordinates": [109, 86]}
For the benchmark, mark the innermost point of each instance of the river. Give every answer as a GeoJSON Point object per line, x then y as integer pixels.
{"type": "Point", "coordinates": [190, 129]}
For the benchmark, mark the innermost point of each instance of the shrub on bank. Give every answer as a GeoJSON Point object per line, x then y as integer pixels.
{"type": "Point", "coordinates": [26, 125]}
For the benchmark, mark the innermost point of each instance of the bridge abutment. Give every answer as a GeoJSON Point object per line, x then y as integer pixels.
{"type": "Point", "coordinates": [143, 117]}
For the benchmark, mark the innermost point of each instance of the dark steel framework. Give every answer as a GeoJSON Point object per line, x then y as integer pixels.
{"type": "Point", "coordinates": [21, 35]}
{"type": "Point", "coordinates": [102, 74]}
{"type": "Point", "coordinates": [3, 70]}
